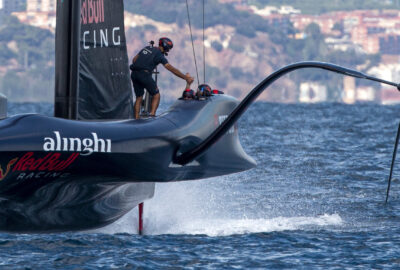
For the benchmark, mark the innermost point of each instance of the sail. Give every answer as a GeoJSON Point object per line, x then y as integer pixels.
{"type": "Point", "coordinates": [97, 84]}
{"type": "Point", "coordinates": [105, 90]}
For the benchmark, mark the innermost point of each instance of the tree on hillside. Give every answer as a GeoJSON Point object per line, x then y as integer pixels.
{"type": "Point", "coordinates": [314, 46]}
{"type": "Point", "coordinates": [338, 27]}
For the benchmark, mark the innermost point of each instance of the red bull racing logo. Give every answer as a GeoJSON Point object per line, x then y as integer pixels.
{"type": "Point", "coordinates": [29, 166]}
{"type": "Point", "coordinates": [50, 162]}
{"type": "Point", "coordinates": [50, 166]}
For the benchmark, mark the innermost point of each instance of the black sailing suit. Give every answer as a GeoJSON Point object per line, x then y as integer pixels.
{"type": "Point", "coordinates": [148, 59]}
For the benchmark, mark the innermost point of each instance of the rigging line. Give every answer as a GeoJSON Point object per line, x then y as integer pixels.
{"type": "Point", "coordinates": [204, 48]}
{"type": "Point", "coordinates": [393, 160]}
{"type": "Point", "coordinates": [191, 37]}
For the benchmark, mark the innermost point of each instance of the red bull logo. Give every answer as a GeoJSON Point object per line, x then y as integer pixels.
{"type": "Point", "coordinates": [92, 11]}
{"type": "Point", "coordinates": [50, 162]}
{"type": "Point", "coordinates": [9, 165]}
{"type": "Point", "coordinates": [96, 33]}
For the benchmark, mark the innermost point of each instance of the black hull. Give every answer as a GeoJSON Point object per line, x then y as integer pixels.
{"type": "Point", "coordinates": [64, 175]}
{"type": "Point", "coordinates": [71, 206]}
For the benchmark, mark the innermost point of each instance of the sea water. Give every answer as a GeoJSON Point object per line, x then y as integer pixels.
{"type": "Point", "coordinates": [314, 201]}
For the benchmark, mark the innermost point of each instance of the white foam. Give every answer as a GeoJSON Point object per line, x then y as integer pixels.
{"type": "Point", "coordinates": [182, 208]}
{"type": "Point", "coordinates": [224, 227]}
{"type": "Point", "coordinates": [219, 227]}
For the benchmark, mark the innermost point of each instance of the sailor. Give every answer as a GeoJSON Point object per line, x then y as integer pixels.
{"type": "Point", "coordinates": [188, 93]}
{"type": "Point", "coordinates": [203, 91]}
{"type": "Point", "coordinates": [142, 67]}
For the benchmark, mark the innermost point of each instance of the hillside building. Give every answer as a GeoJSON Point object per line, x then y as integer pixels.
{"type": "Point", "coordinates": [9, 6]}
{"type": "Point", "coordinates": [41, 6]}
{"type": "Point", "coordinates": [312, 92]}
{"type": "Point", "coordinates": [235, 2]}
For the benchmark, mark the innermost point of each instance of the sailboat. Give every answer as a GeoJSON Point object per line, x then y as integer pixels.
{"type": "Point", "coordinates": [92, 163]}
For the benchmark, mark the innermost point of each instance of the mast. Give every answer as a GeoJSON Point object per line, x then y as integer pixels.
{"type": "Point", "coordinates": [67, 59]}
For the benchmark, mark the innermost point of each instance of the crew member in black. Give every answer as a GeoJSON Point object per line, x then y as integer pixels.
{"type": "Point", "coordinates": [204, 90]}
{"type": "Point", "coordinates": [142, 66]}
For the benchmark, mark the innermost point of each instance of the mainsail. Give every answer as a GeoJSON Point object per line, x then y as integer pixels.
{"type": "Point", "coordinates": [92, 69]}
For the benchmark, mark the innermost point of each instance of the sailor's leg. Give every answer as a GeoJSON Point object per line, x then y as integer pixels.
{"type": "Point", "coordinates": [138, 103]}
{"type": "Point", "coordinates": [139, 91]}
{"type": "Point", "coordinates": [152, 88]}
{"type": "Point", "coordinates": [140, 230]}
{"type": "Point", "coordinates": [154, 103]}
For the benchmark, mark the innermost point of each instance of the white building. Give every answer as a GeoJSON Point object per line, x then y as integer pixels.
{"type": "Point", "coordinates": [352, 94]}
{"type": "Point", "coordinates": [389, 72]}
{"type": "Point", "coordinates": [268, 10]}
{"type": "Point", "coordinates": [349, 94]}
{"type": "Point", "coordinates": [289, 10]}
{"type": "Point", "coordinates": [311, 92]}
{"type": "Point", "coordinates": [365, 94]}
{"type": "Point", "coordinates": [41, 5]}
{"type": "Point", "coordinates": [9, 6]}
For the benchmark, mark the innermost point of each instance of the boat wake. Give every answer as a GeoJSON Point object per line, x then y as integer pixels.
{"type": "Point", "coordinates": [179, 208]}
{"type": "Point", "coordinates": [220, 227]}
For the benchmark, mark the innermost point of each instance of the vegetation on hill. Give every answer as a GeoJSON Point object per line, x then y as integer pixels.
{"type": "Point", "coordinates": [28, 52]}
{"type": "Point", "coordinates": [174, 11]}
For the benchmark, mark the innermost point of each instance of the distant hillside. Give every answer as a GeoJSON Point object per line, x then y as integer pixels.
{"type": "Point", "coordinates": [241, 50]}
{"type": "Point", "coordinates": [318, 6]}
{"type": "Point", "coordinates": [174, 11]}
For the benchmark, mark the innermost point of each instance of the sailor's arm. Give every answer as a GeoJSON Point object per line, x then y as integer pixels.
{"type": "Point", "coordinates": [189, 82]}
{"type": "Point", "coordinates": [179, 74]}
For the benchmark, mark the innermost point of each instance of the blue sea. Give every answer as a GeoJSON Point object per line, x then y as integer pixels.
{"type": "Point", "coordinates": [314, 201]}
